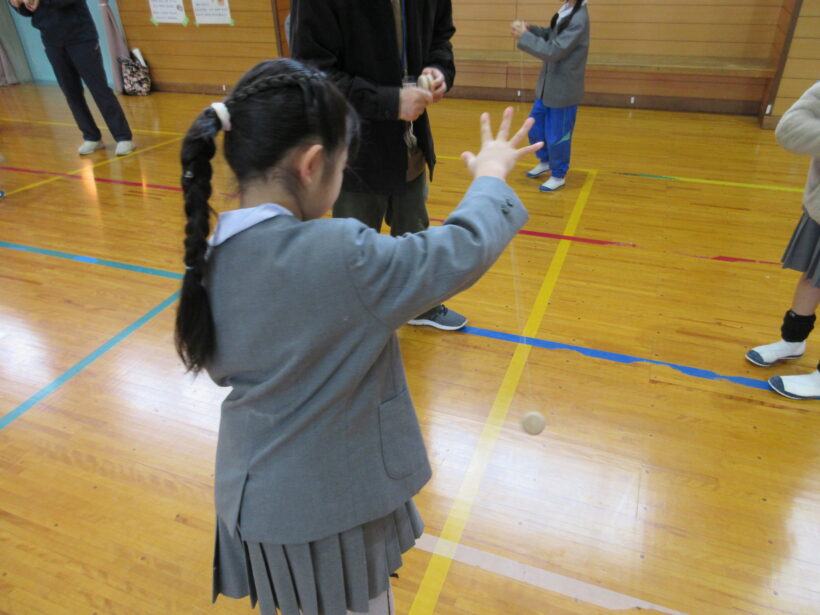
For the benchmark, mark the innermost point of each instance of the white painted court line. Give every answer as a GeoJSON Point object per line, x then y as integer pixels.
{"type": "Point", "coordinates": [550, 581]}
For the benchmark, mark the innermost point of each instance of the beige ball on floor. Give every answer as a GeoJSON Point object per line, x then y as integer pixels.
{"type": "Point", "coordinates": [533, 423]}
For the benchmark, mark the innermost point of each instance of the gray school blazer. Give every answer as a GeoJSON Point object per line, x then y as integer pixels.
{"type": "Point", "coordinates": [561, 82]}
{"type": "Point", "coordinates": [318, 433]}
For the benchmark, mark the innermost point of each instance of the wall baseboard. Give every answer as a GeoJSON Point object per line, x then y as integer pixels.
{"type": "Point", "coordinates": [660, 103]}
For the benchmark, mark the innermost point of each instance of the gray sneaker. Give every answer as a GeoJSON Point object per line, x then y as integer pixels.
{"type": "Point", "coordinates": [441, 318]}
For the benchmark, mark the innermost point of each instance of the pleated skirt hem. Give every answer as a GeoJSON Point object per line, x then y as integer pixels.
{"type": "Point", "coordinates": [330, 576]}
{"type": "Point", "coordinates": [803, 252]}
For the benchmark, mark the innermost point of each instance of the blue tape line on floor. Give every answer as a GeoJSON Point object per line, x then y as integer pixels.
{"type": "Point", "coordinates": [90, 259]}
{"type": "Point", "coordinates": [613, 356]}
{"type": "Point", "coordinates": [82, 364]}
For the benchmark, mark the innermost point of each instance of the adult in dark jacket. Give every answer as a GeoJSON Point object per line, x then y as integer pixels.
{"type": "Point", "coordinates": [369, 50]}
{"type": "Point", "coordinates": [73, 48]}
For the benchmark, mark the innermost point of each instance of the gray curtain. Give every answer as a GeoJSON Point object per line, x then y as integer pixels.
{"type": "Point", "coordinates": [13, 62]}
{"type": "Point", "coordinates": [7, 74]}
{"type": "Point", "coordinates": [117, 45]}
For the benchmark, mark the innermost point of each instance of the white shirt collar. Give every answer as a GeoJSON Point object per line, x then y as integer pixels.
{"type": "Point", "coordinates": [233, 222]}
{"type": "Point", "coordinates": [566, 10]}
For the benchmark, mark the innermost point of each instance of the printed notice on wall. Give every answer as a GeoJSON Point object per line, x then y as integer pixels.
{"type": "Point", "coordinates": [212, 12]}
{"type": "Point", "coordinates": [168, 11]}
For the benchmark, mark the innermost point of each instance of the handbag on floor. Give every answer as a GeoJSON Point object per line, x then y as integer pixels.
{"type": "Point", "coordinates": [136, 78]}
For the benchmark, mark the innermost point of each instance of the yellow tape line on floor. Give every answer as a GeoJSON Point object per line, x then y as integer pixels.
{"type": "Point", "coordinates": [436, 573]}
{"type": "Point", "coordinates": [136, 152]}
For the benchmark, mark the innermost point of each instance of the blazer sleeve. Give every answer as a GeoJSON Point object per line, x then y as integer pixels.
{"type": "Point", "coordinates": [538, 30]}
{"type": "Point", "coordinates": [551, 47]}
{"type": "Point", "coordinates": [440, 55]}
{"type": "Point", "coordinates": [799, 129]}
{"type": "Point", "coordinates": [318, 39]}
{"type": "Point", "coordinates": [399, 278]}
{"type": "Point", "coordinates": [58, 4]}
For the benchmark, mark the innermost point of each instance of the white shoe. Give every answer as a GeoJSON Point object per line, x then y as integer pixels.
{"type": "Point", "coordinates": [772, 353]}
{"type": "Point", "coordinates": [552, 184]}
{"type": "Point", "coordinates": [806, 386]}
{"type": "Point", "coordinates": [539, 169]}
{"type": "Point", "coordinates": [124, 148]}
{"type": "Point", "coordinates": [89, 147]}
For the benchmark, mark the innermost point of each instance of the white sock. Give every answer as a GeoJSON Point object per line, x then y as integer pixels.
{"type": "Point", "coordinates": [770, 353]}
{"type": "Point", "coordinates": [805, 385]}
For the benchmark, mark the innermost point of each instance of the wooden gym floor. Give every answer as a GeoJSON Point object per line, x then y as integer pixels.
{"type": "Point", "coordinates": [669, 479]}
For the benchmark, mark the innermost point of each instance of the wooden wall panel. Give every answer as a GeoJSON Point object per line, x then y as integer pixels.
{"type": "Point", "coordinates": [802, 67]}
{"type": "Point", "coordinates": [741, 39]}
{"type": "Point", "coordinates": [205, 59]}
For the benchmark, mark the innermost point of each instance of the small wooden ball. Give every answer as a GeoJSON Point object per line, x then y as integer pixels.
{"type": "Point", "coordinates": [533, 423]}
{"type": "Point", "coordinates": [425, 82]}
{"type": "Point", "coordinates": [518, 23]}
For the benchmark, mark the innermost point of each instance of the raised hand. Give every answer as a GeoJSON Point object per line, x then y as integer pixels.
{"type": "Point", "coordinates": [498, 154]}
{"type": "Point", "coordinates": [518, 28]}
{"type": "Point", "coordinates": [439, 88]}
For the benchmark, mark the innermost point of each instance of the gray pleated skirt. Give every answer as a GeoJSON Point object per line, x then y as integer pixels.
{"type": "Point", "coordinates": [330, 576]}
{"type": "Point", "coordinates": [803, 252]}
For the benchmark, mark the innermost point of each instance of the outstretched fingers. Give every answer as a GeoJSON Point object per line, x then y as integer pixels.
{"type": "Point", "coordinates": [522, 132]}
{"type": "Point", "coordinates": [506, 121]}
{"type": "Point", "coordinates": [486, 129]}
{"type": "Point", "coordinates": [530, 149]}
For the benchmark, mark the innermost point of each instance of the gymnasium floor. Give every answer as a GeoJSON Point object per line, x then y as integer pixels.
{"type": "Point", "coordinates": [668, 479]}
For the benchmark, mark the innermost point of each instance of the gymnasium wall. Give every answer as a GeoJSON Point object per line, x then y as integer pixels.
{"type": "Point", "coordinates": [713, 55]}
{"type": "Point", "coordinates": [205, 59]}
{"type": "Point", "coordinates": [802, 66]}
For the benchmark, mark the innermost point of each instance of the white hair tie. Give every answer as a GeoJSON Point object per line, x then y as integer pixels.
{"type": "Point", "coordinates": [223, 114]}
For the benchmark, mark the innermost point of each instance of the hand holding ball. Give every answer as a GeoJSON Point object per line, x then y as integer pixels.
{"type": "Point", "coordinates": [425, 82]}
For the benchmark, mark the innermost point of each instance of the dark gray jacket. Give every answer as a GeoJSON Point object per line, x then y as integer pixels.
{"type": "Point", "coordinates": [62, 22]}
{"type": "Point", "coordinates": [561, 82]}
{"type": "Point", "coordinates": [318, 434]}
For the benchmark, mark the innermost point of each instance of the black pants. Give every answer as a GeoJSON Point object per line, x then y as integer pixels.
{"type": "Point", "coordinates": [78, 62]}
{"type": "Point", "coordinates": [404, 213]}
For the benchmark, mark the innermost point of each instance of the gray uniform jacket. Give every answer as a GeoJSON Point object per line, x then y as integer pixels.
{"type": "Point", "coordinates": [799, 132]}
{"type": "Point", "coordinates": [561, 82]}
{"type": "Point", "coordinates": [318, 434]}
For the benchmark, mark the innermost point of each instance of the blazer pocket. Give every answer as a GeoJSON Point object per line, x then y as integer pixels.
{"type": "Point", "coordinates": [402, 444]}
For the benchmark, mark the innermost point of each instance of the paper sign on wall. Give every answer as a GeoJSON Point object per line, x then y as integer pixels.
{"type": "Point", "coordinates": [168, 11]}
{"type": "Point", "coordinates": [212, 12]}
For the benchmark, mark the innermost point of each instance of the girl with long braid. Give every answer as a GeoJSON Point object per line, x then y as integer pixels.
{"type": "Point", "coordinates": [564, 48]}
{"type": "Point", "coordinates": [319, 451]}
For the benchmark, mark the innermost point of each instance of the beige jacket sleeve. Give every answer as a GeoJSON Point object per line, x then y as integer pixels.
{"type": "Point", "coordinates": [799, 129]}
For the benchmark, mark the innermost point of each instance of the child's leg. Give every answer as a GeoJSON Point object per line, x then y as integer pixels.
{"type": "Point", "coordinates": [806, 297]}
{"type": "Point", "coordinates": [798, 322]}
{"type": "Point", "coordinates": [560, 125]}
{"type": "Point", "coordinates": [380, 605]}
{"type": "Point", "coordinates": [538, 132]}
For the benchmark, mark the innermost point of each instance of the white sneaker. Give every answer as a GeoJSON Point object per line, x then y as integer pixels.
{"type": "Point", "coordinates": [552, 184]}
{"type": "Point", "coordinates": [539, 169]}
{"type": "Point", "coordinates": [89, 147]}
{"type": "Point", "coordinates": [806, 386]}
{"type": "Point", "coordinates": [772, 353]}
{"type": "Point", "coordinates": [124, 148]}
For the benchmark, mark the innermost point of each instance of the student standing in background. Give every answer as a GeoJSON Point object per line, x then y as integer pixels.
{"type": "Point", "coordinates": [563, 47]}
{"type": "Point", "coordinates": [73, 49]}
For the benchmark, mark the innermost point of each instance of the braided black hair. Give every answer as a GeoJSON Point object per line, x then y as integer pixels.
{"type": "Point", "coordinates": [275, 107]}
{"type": "Point", "coordinates": [565, 24]}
